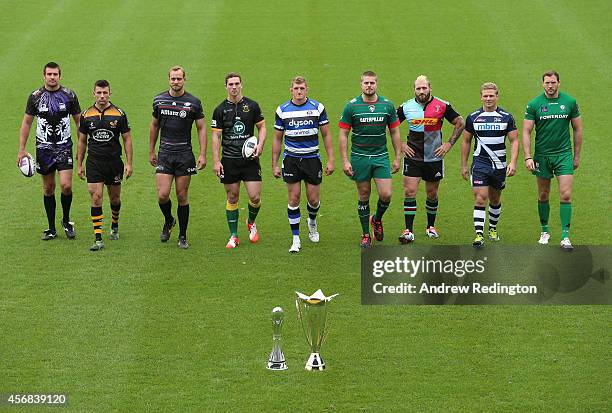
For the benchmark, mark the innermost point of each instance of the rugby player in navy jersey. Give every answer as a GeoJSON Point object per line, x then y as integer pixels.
{"type": "Point", "coordinates": [489, 125]}
{"type": "Point", "coordinates": [52, 105]}
{"type": "Point", "coordinates": [299, 120]}
{"type": "Point", "coordinates": [174, 112]}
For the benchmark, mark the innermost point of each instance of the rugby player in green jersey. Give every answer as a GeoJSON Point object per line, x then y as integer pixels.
{"type": "Point", "coordinates": [551, 113]}
{"type": "Point", "coordinates": [369, 115]}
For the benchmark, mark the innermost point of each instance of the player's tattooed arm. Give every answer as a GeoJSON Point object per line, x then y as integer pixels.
{"type": "Point", "coordinates": [459, 124]}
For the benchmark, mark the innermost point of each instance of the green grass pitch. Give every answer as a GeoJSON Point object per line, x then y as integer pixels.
{"type": "Point", "coordinates": [146, 327]}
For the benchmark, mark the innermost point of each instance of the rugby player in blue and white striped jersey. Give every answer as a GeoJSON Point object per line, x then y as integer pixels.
{"type": "Point", "coordinates": [490, 125]}
{"type": "Point", "coordinates": [299, 120]}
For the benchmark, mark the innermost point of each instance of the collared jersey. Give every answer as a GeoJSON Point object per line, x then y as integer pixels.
{"type": "Point", "coordinates": [236, 121]}
{"type": "Point", "coordinates": [300, 124]}
{"type": "Point", "coordinates": [425, 125]}
{"type": "Point", "coordinates": [52, 109]}
{"type": "Point", "coordinates": [369, 122]}
{"type": "Point", "coordinates": [176, 116]}
{"type": "Point", "coordinates": [103, 130]}
{"type": "Point", "coordinates": [552, 118]}
{"type": "Point", "coordinates": [490, 130]}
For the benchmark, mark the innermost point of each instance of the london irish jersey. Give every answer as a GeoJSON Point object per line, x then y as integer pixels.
{"type": "Point", "coordinates": [490, 130]}
{"type": "Point", "coordinates": [552, 118]}
{"type": "Point", "coordinates": [300, 123]}
{"type": "Point", "coordinates": [369, 122]}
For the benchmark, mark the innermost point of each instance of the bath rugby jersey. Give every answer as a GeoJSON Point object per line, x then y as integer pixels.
{"type": "Point", "coordinates": [300, 124]}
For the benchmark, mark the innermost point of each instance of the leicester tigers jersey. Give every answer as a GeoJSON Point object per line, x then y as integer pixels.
{"type": "Point", "coordinates": [490, 130]}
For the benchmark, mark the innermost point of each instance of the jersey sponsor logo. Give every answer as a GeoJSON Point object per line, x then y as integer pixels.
{"type": "Point", "coordinates": [370, 119]}
{"type": "Point", "coordinates": [169, 112]}
{"type": "Point", "coordinates": [102, 135]}
{"type": "Point", "coordinates": [424, 121]}
{"type": "Point", "coordinates": [297, 123]}
{"type": "Point", "coordinates": [487, 126]}
{"type": "Point", "coordinates": [562, 116]}
{"type": "Point", "coordinates": [238, 128]}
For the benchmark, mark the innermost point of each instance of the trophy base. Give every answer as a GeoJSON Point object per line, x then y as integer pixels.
{"type": "Point", "coordinates": [277, 365]}
{"type": "Point", "coordinates": [315, 362]}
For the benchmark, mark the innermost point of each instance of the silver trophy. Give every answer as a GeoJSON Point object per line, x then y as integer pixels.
{"type": "Point", "coordinates": [277, 358]}
{"type": "Point", "coordinates": [312, 312]}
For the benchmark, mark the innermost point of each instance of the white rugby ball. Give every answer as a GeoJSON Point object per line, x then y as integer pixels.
{"type": "Point", "coordinates": [249, 146]}
{"type": "Point", "coordinates": [27, 165]}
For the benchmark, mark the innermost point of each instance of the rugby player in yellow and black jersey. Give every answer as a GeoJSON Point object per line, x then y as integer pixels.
{"type": "Point", "coordinates": [99, 130]}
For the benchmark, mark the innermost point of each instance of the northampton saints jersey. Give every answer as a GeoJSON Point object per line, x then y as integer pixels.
{"type": "Point", "coordinates": [552, 118]}
{"type": "Point", "coordinates": [369, 122]}
{"type": "Point", "coordinates": [52, 109]}
{"type": "Point", "coordinates": [176, 116]}
{"type": "Point", "coordinates": [236, 121]}
{"type": "Point", "coordinates": [103, 129]}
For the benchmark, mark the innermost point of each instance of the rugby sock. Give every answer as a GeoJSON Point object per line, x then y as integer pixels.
{"type": "Point", "coordinates": [96, 219]}
{"type": "Point", "coordinates": [565, 209]}
{"type": "Point", "coordinates": [166, 209]}
{"type": "Point", "coordinates": [410, 207]}
{"type": "Point", "coordinates": [494, 213]}
{"type": "Point", "coordinates": [544, 212]}
{"type": "Point", "coordinates": [231, 213]}
{"type": "Point", "coordinates": [66, 201]}
{"type": "Point", "coordinates": [49, 202]}
{"type": "Point", "coordinates": [312, 212]}
{"type": "Point", "coordinates": [182, 211]}
{"type": "Point", "coordinates": [253, 211]}
{"type": "Point", "coordinates": [431, 205]}
{"type": "Point", "coordinates": [363, 210]}
{"type": "Point", "coordinates": [115, 208]}
{"type": "Point", "coordinates": [479, 219]}
{"type": "Point", "coordinates": [381, 208]}
{"type": "Point", "coordinates": [294, 219]}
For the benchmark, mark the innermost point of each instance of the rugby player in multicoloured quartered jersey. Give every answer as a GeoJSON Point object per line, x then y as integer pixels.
{"type": "Point", "coordinates": [52, 105]}
{"type": "Point", "coordinates": [369, 115]}
{"type": "Point", "coordinates": [424, 152]}
{"type": "Point", "coordinates": [299, 121]}
{"type": "Point", "coordinates": [174, 113]}
{"type": "Point", "coordinates": [552, 112]}
{"type": "Point", "coordinates": [233, 122]}
{"type": "Point", "coordinates": [99, 130]}
{"type": "Point", "coordinates": [490, 125]}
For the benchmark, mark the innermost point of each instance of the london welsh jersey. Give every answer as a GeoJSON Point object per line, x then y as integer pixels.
{"type": "Point", "coordinates": [236, 121]}
{"type": "Point", "coordinates": [490, 130]}
{"type": "Point", "coordinates": [103, 130]}
{"type": "Point", "coordinates": [52, 109]}
{"type": "Point", "coordinates": [425, 126]}
{"type": "Point", "coordinates": [300, 124]}
{"type": "Point", "coordinates": [552, 118]}
{"type": "Point", "coordinates": [176, 116]}
{"type": "Point", "coordinates": [369, 122]}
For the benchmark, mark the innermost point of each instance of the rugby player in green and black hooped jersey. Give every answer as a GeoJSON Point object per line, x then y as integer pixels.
{"type": "Point", "coordinates": [369, 115]}
{"type": "Point", "coordinates": [233, 122]}
{"type": "Point", "coordinates": [551, 113]}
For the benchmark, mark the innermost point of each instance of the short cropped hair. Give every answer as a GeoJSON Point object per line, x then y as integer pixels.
{"type": "Point", "coordinates": [102, 83]}
{"type": "Point", "coordinates": [369, 73]}
{"type": "Point", "coordinates": [52, 65]}
{"type": "Point", "coordinates": [231, 75]}
{"type": "Point", "coordinates": [422, 78]}
{"type": "Point", "coordinates": [176, 68]}
{"type": "Point", "coordinates": [551, 73]}
{"type": "Point", "coordinates": [489, 85]}
{"type": "Point", "coordinates": [300, 80]}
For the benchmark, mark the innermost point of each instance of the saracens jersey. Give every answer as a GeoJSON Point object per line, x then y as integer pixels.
{"type": "Point", "coordinates": [103, 130]}
{"type": "Point", "coordinates": [490, 130]}
{"type": "Point", "coordinates": [300, 123]}
{"type": "Point", "coordinates": [176, 116]}
{"type": "Point", "coordinates": [236, 121]}
{"type": "Point", "coordinates": [369, 121]}
{"type": "Point", "coordinates": [52, 109]}
{"type": "Point", "coordinates": [425, 122]}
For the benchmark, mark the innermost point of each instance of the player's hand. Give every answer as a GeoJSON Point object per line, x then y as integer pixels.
{"type": "Point", "coordinates": [347, 168]}
{"type": "Point", "coordinates": [395, 165]}
{"type": "Point", "coordinates": [511, 169]}
{"type": "Point", "coordinates": [576, 162]}
{"type": "Point", "coordinates": [276, 171]}
{"type": "Point", "coordinates": [465, 173]}
{"type": "Point", "coordinates": [530, 165]}
{"type": "Point", "coordinates": [329, 167]}
{"type": "Point", "coordinates": [258, 150]}
{"type": "Point", "coordinates": [218, 167]}
{"type": "Point", "coordinates": [407, 150]}
{"type": "Point", "coordinates": [443, 149]}
{"type": "Point", "coordinates": [127, 171]}
{"type": "Point", "coordinates": [153, 159]}
{"type": "Point", "coordinates": [201, 162]}
{"type": "Point", "coordinates": [81, 172]}
{"type": "Point", "coordinates": [20, 155]}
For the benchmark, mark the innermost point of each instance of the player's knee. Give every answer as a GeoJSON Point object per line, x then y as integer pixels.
{"type": "Point", "coordinates": [254, 200]}
{"type": "Point", "coordinates": [565, 196]}
{"type": "Point", "coordinates": [432, 193]}
{"type": "Point", "coordinates": [182, 197]}
{"type": "Point", "coordinates": [385, 195]}
{"type": "Point", "coordinates": [543, 195]}
{"type": "Point", "coordinates": [96, 199]}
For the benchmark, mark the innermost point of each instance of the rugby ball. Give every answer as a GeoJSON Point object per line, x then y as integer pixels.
{"type": "Point", "coordinates": [249, 146]}
{"type": "Point", "coordinates": [27, 165]}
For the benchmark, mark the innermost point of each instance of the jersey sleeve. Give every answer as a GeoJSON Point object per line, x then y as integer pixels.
{"type": "Point", "coordinates": [469, 125]}
{"type": "Point", "coordinates": [392, 119]}
{"type": "Point", "coordinates": [346, 120]}
{"type": "Point", "coordinates": [575, 111]}
{"type": "Point", "coordinates": [83, 124]}
{"type": "Point", "coordinates": [198, 111]}
{"type": "Point", "coordinates": [155, 110]}
{"type": "Point", "coordinates": [124, 124]}
{"type": "Point", "coordinates": [278, 121]}
{"type": "Point", "coordinates": [450, 114]}
{"type": "Point", "coordinates": [401, 116]}
{"type": "Point", "coordinates": [217, 119]}
{"type": "Point", "coordinates": [530, 112]}
{"type": "Point", "coordinates": [323, 119]}
{"type": "Point", "coordinates": [31, 106]}
{"type": "Point", "coordinates": [511, 124]}
{"type": "Point", "coordinates": [257, 115]}
{"type": "Point", "coordinates": [75, 107]}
